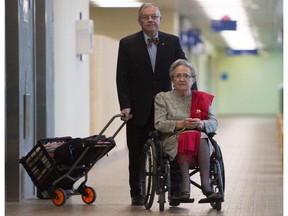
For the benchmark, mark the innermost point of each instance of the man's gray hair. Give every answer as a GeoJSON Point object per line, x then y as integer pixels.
{"type": "Point", "coordinates": [145, 5]}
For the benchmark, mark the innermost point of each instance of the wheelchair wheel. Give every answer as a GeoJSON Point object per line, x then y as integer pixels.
{"type": "Point", "coordinates": [218, 178]}
{"type": "Point", "coordinates": [161, 201]}
{"type": "Point", "coordinates": [149, 173]}
{"type": "Point", "coordinates": [216, 205]}
{"type": "Point", "coordinates": [165, 182]}
{"type": "Point", "coordinates": [221, 162]}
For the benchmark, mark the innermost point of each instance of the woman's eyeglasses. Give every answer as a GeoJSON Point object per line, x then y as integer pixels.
{"type": "Point", "coordinates": [184, 76]}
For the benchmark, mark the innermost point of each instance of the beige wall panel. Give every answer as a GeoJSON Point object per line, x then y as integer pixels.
{"type": "Point", "coordinates": [103, 92]}
{"type": "Point", "coordinates": [118, 23]}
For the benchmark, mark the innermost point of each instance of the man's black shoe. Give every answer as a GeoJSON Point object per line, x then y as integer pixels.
{"type": "Point", "coordinates": [174, 202]}
{"type": "Point", "coordinates": [174, 199]}
{"type": "Point", "coordinates": [137, 200]}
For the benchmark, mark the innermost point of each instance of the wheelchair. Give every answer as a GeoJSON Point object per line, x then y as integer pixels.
{"type": "Point", "coordinates": [157, 179]}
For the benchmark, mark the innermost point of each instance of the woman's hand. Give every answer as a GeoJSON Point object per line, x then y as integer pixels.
{"type": "Point", "coordinates": [190, 123]}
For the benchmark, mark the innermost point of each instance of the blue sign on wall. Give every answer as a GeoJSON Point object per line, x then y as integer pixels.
{"type": "Point", "coordinates": [223, 25]}
{"type": "Point", "coordinates": [232, 52]}
{"type": "Point", "coordinates": [190, 38]}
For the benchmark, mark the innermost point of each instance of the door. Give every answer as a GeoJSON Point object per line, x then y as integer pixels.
{"type": "Point", "coordinates": [27, 89]}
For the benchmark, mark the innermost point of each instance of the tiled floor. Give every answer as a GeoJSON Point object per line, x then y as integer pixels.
{"type": "Point", "coordinates": [254, 179]}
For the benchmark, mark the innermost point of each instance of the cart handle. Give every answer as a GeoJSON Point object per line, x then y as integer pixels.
{"type": "Point", "coordinates": [108, 124]}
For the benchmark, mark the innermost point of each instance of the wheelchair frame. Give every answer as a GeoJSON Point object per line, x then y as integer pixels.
{"type": "Point", "coordinates": [157, 178]}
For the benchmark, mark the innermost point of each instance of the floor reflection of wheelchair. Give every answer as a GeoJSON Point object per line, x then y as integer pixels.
{"type": "Point", "coordinates": [157, 173]}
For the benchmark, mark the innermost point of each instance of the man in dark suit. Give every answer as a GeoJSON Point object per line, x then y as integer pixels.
{"type": "Point", "coordinates": [143, 65]}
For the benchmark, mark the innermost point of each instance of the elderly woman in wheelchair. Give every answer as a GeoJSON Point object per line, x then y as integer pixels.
{"type": "Point", "coordinates": [184, 118]}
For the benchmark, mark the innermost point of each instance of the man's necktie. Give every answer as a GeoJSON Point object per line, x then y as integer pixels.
{"type": "Point", "coordinates": [153, 40]}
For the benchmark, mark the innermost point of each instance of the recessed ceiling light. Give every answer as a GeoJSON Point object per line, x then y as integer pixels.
{"type": "Point", "coordinates": [116, 3]}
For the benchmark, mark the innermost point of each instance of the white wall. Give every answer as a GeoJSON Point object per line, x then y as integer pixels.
{"type": "Point", "coordinates": [72, 106]}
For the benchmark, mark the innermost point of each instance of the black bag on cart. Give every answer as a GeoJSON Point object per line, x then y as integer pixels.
{"type": "Point", "coordinates": [68, 153]}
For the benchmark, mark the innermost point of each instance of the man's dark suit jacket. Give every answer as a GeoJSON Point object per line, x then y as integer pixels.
{"type": "Point", "coordinates": [137, 85]}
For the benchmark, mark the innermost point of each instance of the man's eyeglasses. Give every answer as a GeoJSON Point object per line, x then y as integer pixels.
{"type": "Point", "coordinates": [147, 17]}
{"type": "Point", "coordinates": [184, 76]}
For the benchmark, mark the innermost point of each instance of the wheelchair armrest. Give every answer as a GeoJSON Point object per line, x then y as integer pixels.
{"type": "Point", "coordinates": [211, 135]}
{"type": "Point", "coordinates": [155, 134]}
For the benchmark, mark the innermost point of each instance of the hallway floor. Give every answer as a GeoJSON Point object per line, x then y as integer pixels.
{"type": "Point", "coordinates": [254, 179]}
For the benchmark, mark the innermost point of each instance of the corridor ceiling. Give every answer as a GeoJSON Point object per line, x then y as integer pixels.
{"type": "Point", "coordinates": [265, 18]}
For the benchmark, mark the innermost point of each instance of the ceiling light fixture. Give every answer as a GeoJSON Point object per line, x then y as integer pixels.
{"type": "Point", "coordinates": [116, 3]}
{"type": "Point", "coordinates": [242, 38]}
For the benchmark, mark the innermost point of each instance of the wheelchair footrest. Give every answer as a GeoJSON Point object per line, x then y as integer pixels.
{"type": "Point", "coordinates": [215, 197]}
{"type": "Point", "coordinates": [181, 200]}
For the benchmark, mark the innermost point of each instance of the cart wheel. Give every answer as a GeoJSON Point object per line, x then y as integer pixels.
{"type": "Point", "coordinates": [91, 195]}
{"type": "Point", "coordinates": [60, 198]}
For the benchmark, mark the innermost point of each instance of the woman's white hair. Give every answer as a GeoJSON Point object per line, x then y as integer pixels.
{"type": "Point", "coordinates": [183, 62]}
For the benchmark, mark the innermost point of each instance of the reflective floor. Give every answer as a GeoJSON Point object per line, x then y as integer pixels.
{"type": "Point", "coordinates": [254, 179]}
